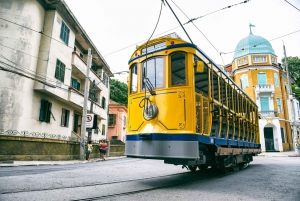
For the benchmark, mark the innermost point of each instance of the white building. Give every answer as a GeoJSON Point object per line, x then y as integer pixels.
{"type": "Point", "coordinates": [43, 64]}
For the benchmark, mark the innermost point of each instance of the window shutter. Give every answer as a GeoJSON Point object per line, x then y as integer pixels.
{"type": "Point", "coordinates": [48, 111]}
{"type": "Point", "coordinates": [264, 102]}
{"type": "Point", "coordinates": [63, 117]}
{"type": "Point", "coordinates": [67, 118]}
{"type": "Point", "coordinates": [262, 80]}
{"type": "Point", "coordinates": [114, 119]}
{"type": "Point", "coordinates": [42, 116]}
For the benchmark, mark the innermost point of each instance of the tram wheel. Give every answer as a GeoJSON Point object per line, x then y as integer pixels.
{"type": "Point", "coordinates": [203, 167]}
{"type": "Point", "coordinates": [225, 170]}
{"type": "Point", "coordinates": [192, 168]}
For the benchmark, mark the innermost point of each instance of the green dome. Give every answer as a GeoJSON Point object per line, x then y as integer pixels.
{"type": "Point", "coordinates": [253, 44]}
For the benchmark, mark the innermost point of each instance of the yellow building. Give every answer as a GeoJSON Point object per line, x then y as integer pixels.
{"type": "Point", "coordinates": [255, 69]}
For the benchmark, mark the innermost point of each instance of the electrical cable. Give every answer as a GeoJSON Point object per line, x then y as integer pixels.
{"type": "Point", "coordinates": [193, 19]}
{"type": "Point", "coordinates": [292, 5]}
{"type": "Point", "coordinates": [24, 69]}
{"type": "Point", "coordinates": [199, 30]}
{"type": "Point", "coordinates": [260, 43]}
{"type": "Point", "coordinates": [40, 32]}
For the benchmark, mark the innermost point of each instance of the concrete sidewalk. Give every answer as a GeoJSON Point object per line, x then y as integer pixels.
{"type": "Point", "coordinates": [40, 163]}
{"type": "Point", "coordinates": [279, 154]}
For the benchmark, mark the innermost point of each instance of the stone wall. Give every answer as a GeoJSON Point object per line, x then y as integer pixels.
{"type": "Point", "coordinates": [27, 148]}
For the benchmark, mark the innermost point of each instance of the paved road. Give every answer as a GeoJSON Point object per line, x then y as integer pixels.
{"type": "Point", "coordinates": [267, 178]}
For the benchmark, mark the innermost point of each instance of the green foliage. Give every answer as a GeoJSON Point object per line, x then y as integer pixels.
{"type": "Point", "coordinates": [294, 68]}
{"type": "Point", "coordinates": [118, 92]}
{"type": "Point", "coordinates": [296, 91]}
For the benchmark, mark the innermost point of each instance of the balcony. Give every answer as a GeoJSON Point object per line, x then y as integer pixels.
{"type": "Point", "coordinates": [268, 113]}
{"type": "Point", "coordinates": [268, 88]}
{"type": "Point", "coordinates": [77, 98]}
{"type": "Point", "coordinates": [79, 68]}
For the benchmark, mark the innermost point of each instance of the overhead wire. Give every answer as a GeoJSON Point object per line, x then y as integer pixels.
{"type": "Point", "coordinates": [292, 5]}
{"type": "Point", "coordinates": [260, 43]}
{"type": "Point", "coordinates": [40, 32]}
{"type": "Point", "coordinates": [191, 20]}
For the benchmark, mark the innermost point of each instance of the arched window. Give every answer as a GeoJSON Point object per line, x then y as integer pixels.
{"type": "Point", "coordinates": [276, 79]}
{"type": "Point", "coordinates": [154, 71]}
{"type": "Point", "coordinates": [178, 69]}
{"type": "Point", "coordinates": [244, 81]}
{"type": "Point", "coordinates": [133, 78]}
{"type": "Point", "coordinates": [262, 79]}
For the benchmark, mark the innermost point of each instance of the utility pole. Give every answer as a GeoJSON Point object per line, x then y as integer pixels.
{"type": "Point", "coordinates": [91, 109]}
{"type": "Point", "coordinates": [86, 94]}
{"type": "Point", "coordinates": [290, 97]}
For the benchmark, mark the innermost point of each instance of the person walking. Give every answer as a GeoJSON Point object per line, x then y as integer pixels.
{"type": "Point", "coordinates": [100, 150]}
{"type": "Point", "coordinates": [90, 149]}
{"type": "Point", "coordinates": [103, 148]}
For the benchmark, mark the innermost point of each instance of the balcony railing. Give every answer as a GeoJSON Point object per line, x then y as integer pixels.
{"type": "Point", "coordinates": [265, 88]}
{"type": "Point", "coordinates": [268, 113]}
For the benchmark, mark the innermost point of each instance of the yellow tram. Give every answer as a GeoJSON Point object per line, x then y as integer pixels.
{"type": "Point", "coordinates": [183, 109]}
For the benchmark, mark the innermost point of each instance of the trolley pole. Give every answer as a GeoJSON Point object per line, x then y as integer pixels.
{"type": "Point", "coordinates": [290, 97]}
{"type": "Point", "coordinates": [86, 94]}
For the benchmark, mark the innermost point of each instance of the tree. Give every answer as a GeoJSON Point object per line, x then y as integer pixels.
{"type": "Point", "coordinates": [296, 91]}
{"type": "Point", "coordinates": [294, 68]}
{"type": "Point", "coordinates": [118, 92]}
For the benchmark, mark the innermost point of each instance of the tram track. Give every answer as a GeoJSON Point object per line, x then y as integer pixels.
{"type": "Point", "coordinates": [132, 186]}
{"type": "Point", "coordinates": [194, 180]}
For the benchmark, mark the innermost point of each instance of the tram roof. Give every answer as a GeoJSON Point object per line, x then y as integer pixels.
{"type": "Point", "coordinates": [187, 44]}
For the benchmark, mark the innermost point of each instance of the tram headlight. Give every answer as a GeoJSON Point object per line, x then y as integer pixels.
{"type": "Point", "coordinates": [150, 112]}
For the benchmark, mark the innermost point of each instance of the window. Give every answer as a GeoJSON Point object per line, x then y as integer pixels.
{"type": "Point", "coordinates": [259, 59]}
{"type": "Point", "coordinates": [103, 102]}
{"type": "Point", "coordinates": [77, 123]}
{"type": "Point", "coordinates": [105, 79]}
{"type": "Point", "coordinates": [245, 60]}
{"type": "Point", "coordinates": [264, 104]}
{"type": "Point", "coordinates": [244, 81]}
{"type": "Point", "coordinates": [273, 59]}
{"type": "Point", "coordinates": [278, 105]}
{"type": "Point", "coordinates": [178, 71]}
{"type": "Point", "coordinates": [133, 79]}
{"type": "Point", "coordinates": [112, 120]}
{"type": "Point", "coordinates": [276, 79]}
{"type": "Point", "coordinates": [60, 70]}
{"type": "Point", "coordinates": [65, 118]}
{"type": "Point", "coordinates": [103, 129]}
{"type": "Point", "coordinates": [282, 135]}
{"type": "Point", "coordinates": [45, 111]}
{"type": "Point", "coordinates": [154, 71]}
{"type": "Point", "coordinates": [124, 121]}
{"type": "Point", "coordinates": [64, 33]}
{"type": "Point", "coordinates": [75, 84]}
{"type": "Point", "coordinates": [262, 79]}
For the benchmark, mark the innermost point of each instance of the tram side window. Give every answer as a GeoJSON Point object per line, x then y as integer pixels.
{"type": "Point", "coordinates": [178, 71]}
{"type": "Point", "coordinates": [133, 78]}
{"type": "Point", "coordinates": [154, 71]}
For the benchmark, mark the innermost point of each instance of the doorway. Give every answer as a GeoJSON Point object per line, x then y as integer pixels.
{"type": "Point", "coordinates": [269, 139]}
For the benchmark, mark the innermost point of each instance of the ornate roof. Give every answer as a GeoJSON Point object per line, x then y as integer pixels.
{"type": "Point", "coordinates": [253, 44]}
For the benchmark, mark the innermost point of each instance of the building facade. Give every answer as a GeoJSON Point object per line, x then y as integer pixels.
{"type": "Point", "coordinates": [43, 55]}
{"type": "Point", "coordinates": [255, 68]}
{"type": "Point", "coordinates": [117, 121]}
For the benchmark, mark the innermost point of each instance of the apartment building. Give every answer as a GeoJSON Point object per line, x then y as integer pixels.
{"type": "Point", "coordinates": [117, 121]}
{"type": "Point", "coordinates": [43, 67]}
{"type": "Point", "coordinates": [256, 69]}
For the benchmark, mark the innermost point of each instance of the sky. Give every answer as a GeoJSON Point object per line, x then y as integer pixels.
{"type": "Point", "coordinates": [116, 27]}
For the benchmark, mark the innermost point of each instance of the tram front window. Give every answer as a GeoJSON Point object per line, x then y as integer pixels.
{"type": "Point", "coordinates": [154, 71]}
{"type": "Point", "coordinates": [133, 87]}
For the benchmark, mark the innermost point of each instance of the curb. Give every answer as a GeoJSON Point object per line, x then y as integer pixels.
{"type": "Point", "coordinates": [50, 163]}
